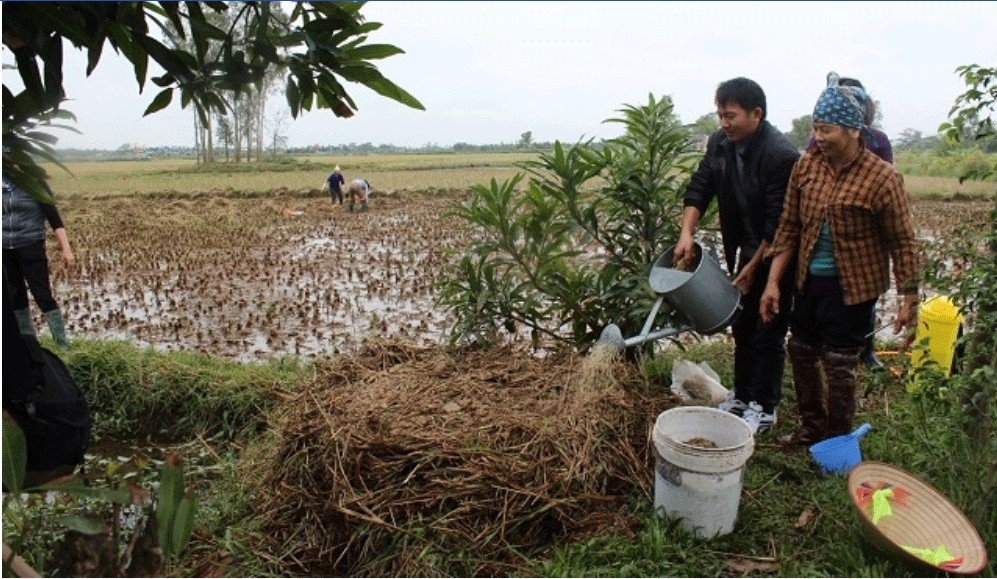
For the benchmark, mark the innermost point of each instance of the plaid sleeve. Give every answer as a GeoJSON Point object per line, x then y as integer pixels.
{"type": "Point", "coordinates": [898, 230]}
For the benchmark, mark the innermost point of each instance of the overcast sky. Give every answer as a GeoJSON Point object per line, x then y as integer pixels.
{"type": "Point", "coordinates": [489, 71]}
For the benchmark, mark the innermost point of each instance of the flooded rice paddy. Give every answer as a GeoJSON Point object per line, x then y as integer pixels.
{"type": "Point", "coordinates": [248, 279]}
{"type": "Point", "coordinates": [252, 278]}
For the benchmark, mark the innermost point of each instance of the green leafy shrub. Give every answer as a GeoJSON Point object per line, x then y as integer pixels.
{"type": "Point", "coordinates": [572, 252]}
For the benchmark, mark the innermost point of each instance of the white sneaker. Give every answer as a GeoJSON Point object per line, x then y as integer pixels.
{"type": "Point", "coordinates": [758, 420]}
{"type": "Point", "coordinates": [732, 405]}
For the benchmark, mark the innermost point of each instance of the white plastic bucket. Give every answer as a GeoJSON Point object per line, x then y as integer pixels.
{"type": "Point", "coordinates": [700, 486]}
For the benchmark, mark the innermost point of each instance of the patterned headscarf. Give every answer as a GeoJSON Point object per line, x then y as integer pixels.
{"type": "Point", "coordinates": [840, 105]}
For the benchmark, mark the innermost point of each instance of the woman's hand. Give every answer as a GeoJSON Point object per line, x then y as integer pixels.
{"type": "Point", "coordinates": [68, 258]}
{"type": "Point", "coordinates": [768, 307]}
{"type": "Point", "coordinates": [67, 250]}
{"type": "Point", "coordinates": [907, 318]}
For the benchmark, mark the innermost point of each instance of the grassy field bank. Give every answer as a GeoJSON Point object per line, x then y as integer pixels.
{"type": "Point", "coordinates": [385, 173]}
{"type": "Point", "coordinates": [793, 521]}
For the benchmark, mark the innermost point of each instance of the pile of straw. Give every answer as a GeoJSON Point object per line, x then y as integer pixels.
{"type": "Point", "coordinates": [400, 460]}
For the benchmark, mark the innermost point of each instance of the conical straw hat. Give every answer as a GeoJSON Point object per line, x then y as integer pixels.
{"type": "Point", "coordinates": [910, 518]}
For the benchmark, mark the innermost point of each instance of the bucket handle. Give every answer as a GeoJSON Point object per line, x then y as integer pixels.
{"type": "Point", "coordinates": [861, 430]}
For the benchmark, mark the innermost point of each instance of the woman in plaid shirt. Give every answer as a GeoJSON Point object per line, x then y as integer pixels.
{"type": "Point", "coordinates": [846, 217]}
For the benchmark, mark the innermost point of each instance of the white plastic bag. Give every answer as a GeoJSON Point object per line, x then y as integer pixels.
{"type": "Point", "coordinates": [697, 383]}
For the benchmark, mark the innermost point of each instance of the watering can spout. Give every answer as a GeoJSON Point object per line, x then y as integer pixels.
{"type": "Point", "coordinates": [862, 430]}
{"type": "Point", "coordinates": [612, 337]}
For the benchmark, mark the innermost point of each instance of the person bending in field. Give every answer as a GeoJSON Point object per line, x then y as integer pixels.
{"type": "Point", "coordinates": [359, 190]}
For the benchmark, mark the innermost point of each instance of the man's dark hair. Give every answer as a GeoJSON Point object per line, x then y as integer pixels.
{"type": "Point", "coordinates": [741, 91]}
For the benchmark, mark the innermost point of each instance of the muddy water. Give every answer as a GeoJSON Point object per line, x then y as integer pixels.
{"type": "Point", "coordinates": [249, 279]}
{"type": "Point", "coordinates": [246, 280]}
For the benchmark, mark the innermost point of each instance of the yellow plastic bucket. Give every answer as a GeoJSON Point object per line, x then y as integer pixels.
{"type": "Point", "coordinates": [938, 320]}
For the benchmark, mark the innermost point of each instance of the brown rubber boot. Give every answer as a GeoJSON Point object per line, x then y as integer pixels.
{"type": "Point", "coordinates": [841, 367]}
{"type": "Point", "coordinates": [809, 386]}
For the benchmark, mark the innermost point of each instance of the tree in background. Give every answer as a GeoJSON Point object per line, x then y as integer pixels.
{"type": "Point", "coordinates": [799, 135]}
{"type": "Point", "coordinates": [914, 140]}
{"type": "Point", "coordinates": [225, 136]}
{"type": "Point", "coordinates": [701, 129]}
{"type": "Point", "coordinates": [275, 129]}
{"type": "Point", "coordinates": [325, 44]}
{"type": "Point", "coordinates": [525, 140]}
{"type": "Point", "coordinates": [877, 119]}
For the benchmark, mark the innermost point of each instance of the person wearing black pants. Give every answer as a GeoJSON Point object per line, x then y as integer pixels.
{"type": "Point", "coordinates": [846, 218]}
{"type": "Point", "coordinates": [745, 167]}
{"type": "Point", "coordinates": [876, 141]}
{"type": "Point", "coordinates": [335, 182]}
{"type": "Point", "coordinates": [25, 262]}
{"type": "Point", "coordinates": [759, 348]}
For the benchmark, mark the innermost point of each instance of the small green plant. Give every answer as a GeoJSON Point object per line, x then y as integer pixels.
{"type": "Point", "coordinates": [571, 254]}
{"type": "Point", "coordinates": [176, 509]}
{"type": "Point", "coordinates": [171, 515]}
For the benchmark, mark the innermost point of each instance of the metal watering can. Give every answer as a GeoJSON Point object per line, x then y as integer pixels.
{"type": "Point", "coordinates": [703, 294]}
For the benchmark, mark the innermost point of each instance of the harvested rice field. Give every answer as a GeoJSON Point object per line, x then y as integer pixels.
{"type": "Point", "coordinates": [286, 273]}
{"type": "Point", "coordinates": [248, 264]}
{"type": "Point", "coordinates": [250, 278]}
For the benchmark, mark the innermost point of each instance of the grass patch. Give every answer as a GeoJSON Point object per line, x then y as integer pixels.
{"type": "Point", "coordinates": [134, 391]}
{"type": "Point", "coordinates": [926, 187]}
{"type": "Point", "coordinates": [784, 488]}
{"type": "Point", "coordinates": [278, 165]}
{"type": "Point", "coordinates": [385, 173]}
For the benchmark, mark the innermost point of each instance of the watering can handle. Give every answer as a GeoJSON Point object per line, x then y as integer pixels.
{"type": "Point", "coordinates": [862, 430]}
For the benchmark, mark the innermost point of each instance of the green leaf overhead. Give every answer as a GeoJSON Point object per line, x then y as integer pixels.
{"type": "Point", "coordinates": [320, 46]}
{"type": "Point", "coordinates": [375, 51]}
{"type": "Point", "coordinates": [161, 101]}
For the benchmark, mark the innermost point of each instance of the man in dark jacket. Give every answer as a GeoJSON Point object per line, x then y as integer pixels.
{"type": "Point", "coordinates": [746, 167]}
